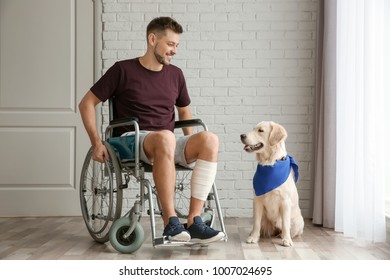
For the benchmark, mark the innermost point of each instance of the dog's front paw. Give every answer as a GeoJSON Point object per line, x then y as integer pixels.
{"type": "Point", "coordinates": [252, 239]}
{"type": "Point", "coordinates": [287, 242]}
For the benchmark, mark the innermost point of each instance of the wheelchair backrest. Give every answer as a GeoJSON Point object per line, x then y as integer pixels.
{"type": "Point", "coordinates": [117, 126]}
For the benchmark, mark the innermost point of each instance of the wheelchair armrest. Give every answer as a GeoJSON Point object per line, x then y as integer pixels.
{"type": "Point", "coordinates": [123, 121]}
{"type": "Point", "coordinates": [129, 121]}
{"type": "Point", "coordinates": [189, 123]}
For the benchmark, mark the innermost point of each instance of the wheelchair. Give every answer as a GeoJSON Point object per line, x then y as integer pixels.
{"type": "Point", "coordinates": [102, 186]}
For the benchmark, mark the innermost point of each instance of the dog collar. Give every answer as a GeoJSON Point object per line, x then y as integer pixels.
{"type": "Point", "coordinates": [268, 178]}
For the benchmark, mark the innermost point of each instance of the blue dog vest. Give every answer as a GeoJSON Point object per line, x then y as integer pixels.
{"type": "Point", "coordinates": [269, 177]}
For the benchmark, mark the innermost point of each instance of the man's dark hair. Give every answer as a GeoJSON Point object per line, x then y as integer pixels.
{"type": "Point", "coordinates": [160, 24]}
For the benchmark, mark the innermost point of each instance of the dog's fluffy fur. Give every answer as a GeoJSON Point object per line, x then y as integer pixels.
{"type": "Point", "coordinates": [276, 212]}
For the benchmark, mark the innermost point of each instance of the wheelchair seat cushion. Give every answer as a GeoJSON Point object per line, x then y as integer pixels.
{"type": "Point", "coordinates": [124, 146]}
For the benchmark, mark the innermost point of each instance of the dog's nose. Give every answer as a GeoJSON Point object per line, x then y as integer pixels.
{"type": "Point", "coordinates": [243, 136]}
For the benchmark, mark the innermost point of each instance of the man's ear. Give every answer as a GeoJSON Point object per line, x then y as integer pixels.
{"type": "Point", "coordinates": [152, 39]}
{"type": "Point", "coordinates": [277, 134]}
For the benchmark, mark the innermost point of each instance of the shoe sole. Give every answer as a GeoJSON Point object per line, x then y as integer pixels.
{"type": "Point", "coordinates": [217, 237]}
{"type": "Point", "coordinates": [182, 237]}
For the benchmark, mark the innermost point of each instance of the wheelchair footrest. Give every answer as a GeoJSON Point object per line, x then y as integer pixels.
{"type": "Point", "coordinates": [163, 241]}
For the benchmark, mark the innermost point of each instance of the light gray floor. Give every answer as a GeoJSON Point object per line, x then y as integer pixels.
{"type": "Point", "coordinates": [50, 238]}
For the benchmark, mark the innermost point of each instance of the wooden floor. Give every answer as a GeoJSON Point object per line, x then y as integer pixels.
{"type": "Point", "coordinates": [63, 238]}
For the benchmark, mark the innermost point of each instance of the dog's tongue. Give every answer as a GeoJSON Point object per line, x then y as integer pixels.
{"type": "Point", "coordinates": [247, 148]}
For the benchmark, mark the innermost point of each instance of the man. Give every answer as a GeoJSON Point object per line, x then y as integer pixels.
{"type": "Point", "coordinates": [150, 88]}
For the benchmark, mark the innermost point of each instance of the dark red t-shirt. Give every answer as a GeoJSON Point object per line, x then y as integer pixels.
{"type": "Point", "coordinates": [148, 95]}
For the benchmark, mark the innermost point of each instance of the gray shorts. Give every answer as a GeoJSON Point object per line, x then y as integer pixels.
{"type": "Point", "coordinates": [181, 142]}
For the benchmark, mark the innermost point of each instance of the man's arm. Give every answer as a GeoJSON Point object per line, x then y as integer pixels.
{"type": "Point", "coordinates": [88, 115]}
{"type": "Point", "coordinates": [185, 114]}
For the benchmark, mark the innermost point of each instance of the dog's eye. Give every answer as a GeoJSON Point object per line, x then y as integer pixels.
{"type": "Point", "coordinates": [260, 130]}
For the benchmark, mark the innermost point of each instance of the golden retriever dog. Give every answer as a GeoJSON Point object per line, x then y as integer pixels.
{"type": "Point", "coordinates": [275, 205]}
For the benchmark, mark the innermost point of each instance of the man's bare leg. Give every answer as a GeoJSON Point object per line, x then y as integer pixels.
{"type": "Point", "coordinates": [159, 147]}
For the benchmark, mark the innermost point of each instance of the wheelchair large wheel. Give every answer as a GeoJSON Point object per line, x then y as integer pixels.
{"type": "Point", "coordinates": [100, 194]}
{"type": "Point", "coordinates": [183, 193]}
{"type": "Point", "coordinates": [130, 244]}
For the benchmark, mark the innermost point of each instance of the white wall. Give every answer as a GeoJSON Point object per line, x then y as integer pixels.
{"type": "Point", "coordinates": [244, 61]}
{"type": "Point", "coordinates": [387, 98]}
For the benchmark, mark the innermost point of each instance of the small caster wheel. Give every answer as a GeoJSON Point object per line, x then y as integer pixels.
{"type": "Point", "coordinates": [207, 218]}
{"type": "Point", "coordinates": [126, 245]}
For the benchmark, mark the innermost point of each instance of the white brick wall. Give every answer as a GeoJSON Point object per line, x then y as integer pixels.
{"type": "Point", "coordinates": [244, 61]}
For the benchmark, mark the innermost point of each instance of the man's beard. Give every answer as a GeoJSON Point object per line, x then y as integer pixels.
{"type": "Point", "coordinates": [160, 59]}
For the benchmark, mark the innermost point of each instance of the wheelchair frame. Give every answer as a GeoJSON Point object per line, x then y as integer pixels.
{"type": "Point", "coordinates": [101, 197]}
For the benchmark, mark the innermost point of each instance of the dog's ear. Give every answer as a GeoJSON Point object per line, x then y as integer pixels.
{"type": "Point", "coordinates": [277, 134]}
